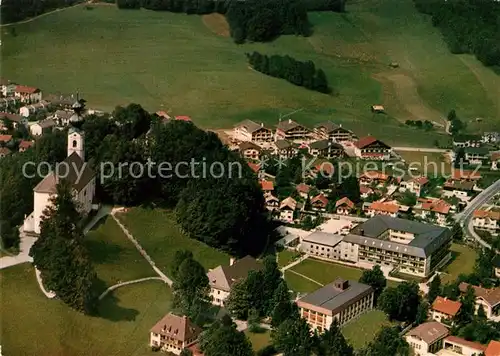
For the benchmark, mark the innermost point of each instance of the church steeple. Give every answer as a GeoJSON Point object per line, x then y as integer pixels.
{"type": "Point", "coordinates": [76, 142]}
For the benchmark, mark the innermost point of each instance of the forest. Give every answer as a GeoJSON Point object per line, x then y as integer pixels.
{"type": "Point", "coordinates": [17, 10]}
{"type": "Point", "coordinates": [296, 72]}
{"type": "Point", "coordinates": [468, 26]}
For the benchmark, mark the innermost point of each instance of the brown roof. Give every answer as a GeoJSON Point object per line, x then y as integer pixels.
{"type": "Point", "coordinates": [458, 174]}
{"type": "Point", "coordinates": [344, 201]}
{"type": "Point", "coordinates": [471, 344]}
{"type": "Point", "coordinates": [460, 185]}
{"type": "Point", "coordinates": [436, 205]}
{"type": "Point", "coordinates": [267, 185]}
{"type": "Point", "coordinates": [446, 306]}
{"type": "Point", "coordinates": [495, 156]}
{"type": "Point", "coordinates": [288, 202]}
{"type": "Point", "coordinates": [25, 144]}
{"type": "Point", "coordinates": [365, 141]}
{"type": "Point", "coordinates": [320, 198]}
{"type": "Point", "coordinates": [249, 145]}
{"type": "Point", "coordinates": [494, 215]}
{"type": "Point", "coordinates": [490, 296]}
{"type": "Point", "coordinates": [421, 180]}
{"type": "Point", "coordinates": [5, 138]}
{"type": "Point", "coordinates": [26, 90]}
{"type": "Point", "coordinates": [386, 207]}
{"type": "Point", "coordinates": [11, 117]}
{"type": "Point", "coordinates": [46, 123]}
{"type": "Point", "coordinates": [429, 332]}
{"type": "Point", "coordinates": [374, 175]}
{"type": "Point", "coordinates": [177, 327]}
{"type": "Point", "coordinates": [223, 277]}
{"type": "Point", "coordinates": [4, 151]}
{"type": "Point", "coordinates": [254, 166]}
{"type": "Point", "coordinates": [71, 169]}
{"type": "Point", "coordinates": [303, 188]}
{"type": "Point", "coordinates": [364, 189]}
{"type": "Point", "coordinates": [325, 167]}
{"type": "Point", "coordinates": [493, 348]}
{"type": "Point", "coordinates": [287, 125]}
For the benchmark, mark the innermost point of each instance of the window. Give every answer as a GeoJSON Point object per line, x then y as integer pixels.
{"type": "Point", "coordinates": [74, 143]}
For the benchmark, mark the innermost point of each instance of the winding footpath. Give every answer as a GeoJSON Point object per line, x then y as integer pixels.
{"type": "Point", "coordinates": [118, 285]}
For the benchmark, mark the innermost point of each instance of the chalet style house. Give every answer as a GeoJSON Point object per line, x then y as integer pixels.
{"type": "Point", "coordinates": [27, 94]}
{"type": "Point", "coordinates": [370, 148]}
{"type": "Point", "coordinates": [326, 149]}
{"type": "Point", "coordinates": [173, 333]}
{"type": "Point", "coordinates": [488, 220]}
{"type": "Point", "coordinates": [249, 130]}
{"type": "Point", "coordinates": [286, 149]}
{"type": "Point", "coordinates": [249, 150]}
{"type": "Point", "coordinates": [292, 131]}
{"type": "Point", "coordinates": [414, 185]}
{"type": "Point", "coordinates": [329, 131]}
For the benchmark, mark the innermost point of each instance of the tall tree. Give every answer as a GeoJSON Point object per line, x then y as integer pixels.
{"type": "Point", "coordinates": [468, 308]}
{"type": "Point", "coordinates": [239, 301]}
{"type": "Point", "coordinates": [222, 339]}
{"type": "Point", "coordinates": [283, 307]}
{"type": "Point", "coordinates": [179, 257]}
{"type": "Point", "coordinates": [333, 343]}
{"type": "Point", "coordinates": [422, 313]}
{"type": "Point", "coordinates": [60, 255]}
{"type": "Point", "coordinates": [376, 279]}
{"type": "Point", "coordinates": [387, 342]}
{"type": "Point", "coordinates": [434, 289]}
{"type": "Point", "coordinates": [293, 338]}
{"type": "Point", "coordinates": [401, 302]}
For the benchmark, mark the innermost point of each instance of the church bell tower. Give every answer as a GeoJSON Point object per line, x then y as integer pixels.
{"type": "Point", "coordinates": [76, 141]}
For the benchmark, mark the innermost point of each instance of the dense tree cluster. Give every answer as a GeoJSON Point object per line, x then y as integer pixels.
{"type": "Point", "coordinates": [222, 339]}
{"type": "Point", "coordinates": [401, 302]}
{"type": "Point", "coordinates": [61, 256]}
{"type": "Point", "coordinates": [376, 279]}
{"type": "Point", "coordinates": [419, 124]}
{"type": "Point", "coordinates": [296, 72]}
{"type": "Point", "coordinates": [17, 10]}
{"type": "Point", "coordinates": [468, 26]}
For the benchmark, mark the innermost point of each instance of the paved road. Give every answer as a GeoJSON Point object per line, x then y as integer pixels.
{"type": "Point", "coordinates": [24, 250]}
{"type": "Point", "coordinates": [465, 217]}
{"type": "Point", "coordinates": [420, 149]}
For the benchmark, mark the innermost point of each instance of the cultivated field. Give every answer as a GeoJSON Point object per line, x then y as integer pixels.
{"type": "Point", "coordinates": [188, 66]}
{"type": "Point", "coordinates": [35, 325]}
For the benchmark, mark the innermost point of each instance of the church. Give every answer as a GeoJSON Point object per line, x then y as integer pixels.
{"type": "Point", "coordinates": [80, 175]}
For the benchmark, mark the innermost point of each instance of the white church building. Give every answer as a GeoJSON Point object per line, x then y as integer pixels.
{"type": "Point", "coordinates": [73, 169]}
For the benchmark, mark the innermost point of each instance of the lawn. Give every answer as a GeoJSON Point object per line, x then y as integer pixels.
{"type": "Point", "coordinates": [286, 257]}
{"type": "Point", "coordinates": [464, 258]}
{"type": "Point", "coordinates": [426, 163]}
{"type": "Point", "coordinates": [115, 258]}
{"type": "Point", "coordinates": [299, 284]}
{"type": "Point", "coordinates": [361, 331]}
{"type": "Point", "coordinates": [259, 340]}
{"type": "Point", "coordinates": [159, 235]}
{"type": "Point", "coordinates": [35, 325]}
{"type": "Point", "coordinates": [187, 65]}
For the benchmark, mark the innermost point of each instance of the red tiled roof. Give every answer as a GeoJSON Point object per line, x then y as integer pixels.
{"type": "Point", "coordinates": [25, 89]}
{"type": "Point", "coordinates": [195, 349]}
{"type": "Point", "coordinates": [254, 166]}
{"type": "Point", "coordinates": [25, 144]}
{"type": "Point", "coordinates": [491, 296]}
{"type": "Point", "coordinates": [177, 327]}
{"type": "Point", "coordinates": [421, 180]}
{"type": "Point", "coordinates": [437, 205]}
{"type": "Point", "coordinates": [471, 344]}
{"type": "Point", "coordinates": [344, 201]}
{"type": "Point", "coordinates": [5, 138]}
{"type": "Point", "coordinates": [303, 188]}
{"type": "Point", "coordinates": [493, 348]}
{"type": "Point", "coordinates": [495, 156]}
{"type": "Point", "coordinates": [267, 185]}
{"type": "Point", "coordinates": [365, 141]}
{"type": "Point", "coordinates": [494, 215]}
{"type": "Point", "coordinates": [326, 167]}
{"type": "Point", "coordinates": [163, 114]}
{"type": "Point", "coordinates": [320, 198]}
{"type": "Point", "coordinates": [385, 207]}
{"type": "Point", "coordinates": [459, 174]}
{"type": "Point", "coordinates": [183, 118]}
{"type": "Point", "coordinates": [446, 306]}
{"type": "Point", "coordinates": [374, 175]}
{"type": "Point", "coordinates": [364, 189]}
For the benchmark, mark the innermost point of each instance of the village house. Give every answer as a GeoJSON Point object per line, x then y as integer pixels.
{"type": "Point", "coordinates": [4, 152]}
{"type": "Point", "coordinates": [381, 208]}
{"type": "Point", "coordinates": [365, 191]}
{"type": "Point", "coordinates": [8, 102]}
{"type": "Point", "coordinates": [24, 145]}
{"type": "Point", "coordinates": [373, 178]}
{"type": "Point", "coordinates": [286, 149]}
{"type": "Point", "coordinates": [456, 346]}
{"type": "Point", "coordinates": [65, 117]}
{"type": "Point", "coordinates": [7, 88]}
{"type": "Point", "coordinates": [292, 131]}
{"type": "Point", "coordinates": [42, 127]}
{"type": "Point", "coordinates": [249, 130]}
{"type": "Point", "coordinates": [183, 118]}
{"type": "Point", "coordinates": [74, 170]}
{"type": "Point", "coordinates": [413, 247]}
{"type": "Point", "coordinates": [173, 333]}
{"type": "Point", "coordinates": [427, 338]}
{"type": "Point", "coordinates": [272, 203]}
{"type": "Point", "coordinates": [303, 190]}
{"type": "Point", "coordinates": [326, 169]}
{"type": "Point", "coordinates": [488, 220]}
{"type": "Point", "coordinates": [429, 208]}
{"type": "Point", "coordinates": [319, 202]}
{"type": "Point", "coordinates": [222, 278]}
{"type": "Point", "coordinates": [414, 185]}
{"type": "Point", "coordinates": [488, 298]}
{"type": "Point", "coordinates": [344, 206]}
{"type": "Point", "coordinates": [249, 150]}
{"type": "Point", "coordinates": [463, 190]}
{"type": "Point", "coordinates": [370, 148]}
{"type": "Point", "coordinates": [377, 109]}
{"type": "Point", "coordinates": [476, 155]}
{"type": "Point", "coordinates": [287, 210]}
{"type": "Point", "coordinates": [493, 348]}
{"type": "Point", "coordinates": [32, 109]}
{"type": "Point", "coordinates": [464, 174]}
{"type": "Point", "coordinates": [342, 300]}
{"type": "Point", "coordinates": [165, 117]}
{"type": "Point", "coordinates": [14, 118]}
{"type": "Point", "coordinates": [28, 94]}
{"type": "Point", "coordinates": [322, 245]}
{"type": "Point", "coordinates": [267, 186]}
{"type": "Point", "coordinates": [444, 310]}
{"type": "Point", "coordinates": [5, 139]}
{"type": "Point", "coordinates": [326, 149]}
{"type": "Point", "coordinates": [467, 141]}
{"type": "Point", "coordinates": [495, 160]}
{"type": "Point", "coordinates": [329, 131]}
{"type": "Point", "coordinates": [491, 137]}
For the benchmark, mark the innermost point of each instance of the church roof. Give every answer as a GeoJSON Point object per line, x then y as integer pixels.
{"type": "Point", "coordinates": [71, 169]}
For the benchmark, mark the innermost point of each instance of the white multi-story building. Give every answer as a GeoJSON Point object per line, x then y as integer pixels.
{"type": "Point", "coordinates": [486, 220]}
{"type": "Point", "coordinates": [427, 338]}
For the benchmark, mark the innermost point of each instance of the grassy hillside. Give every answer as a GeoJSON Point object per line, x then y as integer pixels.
{"type": "Point", "coordinates": [186, 65]}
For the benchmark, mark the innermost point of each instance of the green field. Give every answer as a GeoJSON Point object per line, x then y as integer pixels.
{"type": "Point", "coordinates": [463, 261]}
{"type": "Point", "coordinates": [160, 236]}
{"type": "Point", "coordinates": [361, 331]}
{"type": "Point", "coordinates": [259, 340]}
{"type": "Point", "coordinates": [35, 325]}
{"type": "Point", "coordinates": [115, 258]}
{"type": "Point", "coordinates": [429, 164]}
{"type": "Point", "coordinates": [175, 62]}
{"type": "Point", "coordinates": [299, 284]}
{"type": "Point", "coordinates": [286, 257]}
